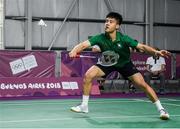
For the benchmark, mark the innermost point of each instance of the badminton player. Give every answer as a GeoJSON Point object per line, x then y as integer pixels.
{"type": "Point", "coordinates": [114, 41]}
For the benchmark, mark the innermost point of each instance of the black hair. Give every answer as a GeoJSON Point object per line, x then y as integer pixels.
{"type": "Point", "coordinates": [116, 16]}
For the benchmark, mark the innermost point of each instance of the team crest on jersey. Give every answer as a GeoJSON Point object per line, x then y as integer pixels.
{"type": "Point", "coordinates": [119, 45]}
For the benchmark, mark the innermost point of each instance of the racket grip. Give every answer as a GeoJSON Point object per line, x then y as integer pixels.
{"type": "Point", "coordinates": [77, 56]}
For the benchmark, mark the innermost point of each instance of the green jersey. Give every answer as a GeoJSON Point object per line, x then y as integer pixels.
{"type": "Point", "coordinates": [120, 46]}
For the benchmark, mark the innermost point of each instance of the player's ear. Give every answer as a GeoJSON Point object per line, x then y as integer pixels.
{"type": "Point", "coordinates": [117, 26]}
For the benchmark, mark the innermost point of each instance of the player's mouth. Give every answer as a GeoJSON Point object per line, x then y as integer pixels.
{"type": "Point", "coordinates": [106, 27]}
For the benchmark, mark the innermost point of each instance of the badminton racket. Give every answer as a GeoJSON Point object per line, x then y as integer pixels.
{"type": "Point", "coordinates": [107, 58]}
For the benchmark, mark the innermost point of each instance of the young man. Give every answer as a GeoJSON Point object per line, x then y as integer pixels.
{"type": "Point", "coordinates": [114, 41]}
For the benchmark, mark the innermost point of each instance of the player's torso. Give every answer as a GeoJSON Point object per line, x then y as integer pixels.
{"type": "Point", "coordinates": [117, 46]}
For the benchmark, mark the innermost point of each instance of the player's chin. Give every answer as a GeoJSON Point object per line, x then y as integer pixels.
{"type": "Point", "coordinates": [107, 31]}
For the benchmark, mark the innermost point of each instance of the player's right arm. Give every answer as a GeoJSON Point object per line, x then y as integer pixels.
{"type": "Point", "coordinates": [79, 48]}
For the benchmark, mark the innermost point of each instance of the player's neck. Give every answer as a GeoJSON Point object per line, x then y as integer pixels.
{"type": "Point", "coordinates": [113, 35]}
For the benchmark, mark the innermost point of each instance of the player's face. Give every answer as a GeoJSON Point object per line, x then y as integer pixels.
{"type": "Point", "coordinates": [111, 25]}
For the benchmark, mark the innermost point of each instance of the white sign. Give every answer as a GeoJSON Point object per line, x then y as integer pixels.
{"type": "Point", "coordinates": [66, 85]}
{"type": "Point", "coordinates": [74, 85]}
{"type": "Point", "coordinates": [23, 64]}
{"type": "Point", "coordinates": [70, 85]}
{"type": "Point", "coordinates": [17, 66]}
{"type": "Point", "coordinates": [29, 62]}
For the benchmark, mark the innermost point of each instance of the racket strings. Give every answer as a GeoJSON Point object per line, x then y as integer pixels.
{"type": "Point", "coordinates": [108, 58]}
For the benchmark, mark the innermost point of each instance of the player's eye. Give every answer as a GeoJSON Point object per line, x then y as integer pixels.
{"type": "Point", "coordinates": [106, 21]}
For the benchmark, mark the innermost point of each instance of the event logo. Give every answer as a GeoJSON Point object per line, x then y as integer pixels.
{"type": "Point", "coordinates": [70, 85]}
{"type": "Point", "coordinates": [23, 64]}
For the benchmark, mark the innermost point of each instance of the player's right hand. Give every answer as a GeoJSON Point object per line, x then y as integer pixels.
{"type": "Point", "coordinates": [73, 54]}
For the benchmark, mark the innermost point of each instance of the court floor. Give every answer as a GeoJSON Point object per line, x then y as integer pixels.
{"type": "Point", "coordinates": [104, 113]}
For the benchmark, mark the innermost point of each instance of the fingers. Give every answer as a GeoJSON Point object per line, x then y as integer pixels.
{"type": "Point", "coordinates": [74, 55]}
{"type": "Point", "coordinates": [165, 53]}
{"type": "Point", "coordinates": [168, 53]}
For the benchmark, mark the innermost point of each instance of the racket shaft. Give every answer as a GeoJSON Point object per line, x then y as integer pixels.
{"type": "Point", "coordinates": [87, 56]}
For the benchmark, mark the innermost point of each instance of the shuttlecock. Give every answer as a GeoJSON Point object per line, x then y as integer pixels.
{"type": "Point", "coordinates": [42, 23]}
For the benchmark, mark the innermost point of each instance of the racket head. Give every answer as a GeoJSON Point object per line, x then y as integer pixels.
{"type": "Point", "coordinates": [108, 58]}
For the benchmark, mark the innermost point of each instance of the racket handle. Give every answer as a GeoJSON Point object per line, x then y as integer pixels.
{"type": "Point", "coordinates": [77, 56]}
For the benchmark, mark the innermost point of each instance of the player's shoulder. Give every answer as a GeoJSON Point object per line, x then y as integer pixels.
{"type": "Point", "coordinates": [99, 35]}
{"type": "Point", "coordinates": [124, 37]}
{"type": "Point", "coordinates": [121, 34]}
{"type": "Point", "coordinates": [97, 39]}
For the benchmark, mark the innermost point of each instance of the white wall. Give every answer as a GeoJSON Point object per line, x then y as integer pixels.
{"type": "Point", "coordinates": [165, 11]}
{"type": "Point", "coordinates": [72, 32]}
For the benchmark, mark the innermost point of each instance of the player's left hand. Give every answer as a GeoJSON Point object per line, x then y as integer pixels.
{"type": "Point", "coordinates": [163, 53]}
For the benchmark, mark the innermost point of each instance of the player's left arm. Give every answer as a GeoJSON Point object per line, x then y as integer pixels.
{"type": "Point", "coordinates": [152, 51]}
